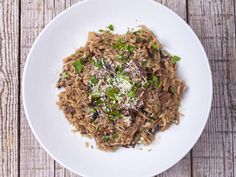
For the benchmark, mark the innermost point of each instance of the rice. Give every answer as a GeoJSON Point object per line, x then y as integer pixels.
{"type": "Point", "coordinates": [120, 89]}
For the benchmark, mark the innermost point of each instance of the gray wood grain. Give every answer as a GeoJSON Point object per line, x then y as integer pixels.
{"type": "Point", "coordinates": [34, 161]}
{"type": "Point", "coordinates": [9, 80]}
{"type": "Point", "coordinates": [214, 23]}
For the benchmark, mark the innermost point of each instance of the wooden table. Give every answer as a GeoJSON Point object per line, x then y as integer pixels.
{"type": "Point", "coordinates": [214, 23]}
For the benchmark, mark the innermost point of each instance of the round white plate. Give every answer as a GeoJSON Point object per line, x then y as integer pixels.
{"type": "Point", "coordinates": [67, 32]}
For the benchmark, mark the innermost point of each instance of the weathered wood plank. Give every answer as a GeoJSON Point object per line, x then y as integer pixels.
{"type": "Point", "coordinates": [232, 92]}
{"type": "Point", "coordinates": [9, 80]}
{"type": "Point", "coordinates": [34, 161]}
{"type": "Point", "coordinates": [213, 21]}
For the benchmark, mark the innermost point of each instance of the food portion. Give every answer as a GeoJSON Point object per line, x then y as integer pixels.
{"type": "Point", "coordinates": [121, 89]}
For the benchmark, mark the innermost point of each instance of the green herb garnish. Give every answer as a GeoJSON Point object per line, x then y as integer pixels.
{"type": "Point", "coordinates": [101, 30]}
{"type": "Point", "coordinates": [154, 46]}
{"type": "Point", "coordinates": [132, 94]}
{"type": "Point", "coordinates": [146, 84]}
{"type": "Point", "coordinates": [111, 27]}
{"type": "Point", "coordinates": [65, 75]}
{"type": "Point", "coordinates": [93, 80]}
{"type": "Point", "coordinates": [93, 110]}
{"type": "Point", "coordinates": [130, 48]}
{"type": "Point", "coordinates": [119, 44]}
{"type": "Point", "coordinates": [97, 63]}
{"type": "Point", "coordinates": [175, 59]}
{"type": "Point", "coordinates": [133, 91]}
{"type": "Point", "coordinates": [96, 99]}
{"type": "Point", "coordinates": [114, 136]}
{"type": "Point", "coordinates": [154, 81]}
{"type": "Point", "coordinates": [119, 69]}
{"type": "Point", "coordinates": [111, 92]}
{"type": "Point", "coordinates": [106, 138]}
{"type": "Point", "coordinates": [123, 75]}
{"type": "Point", "coordinates": [78, 66]}
{"type": "Point", "coordinates": [114, 115]}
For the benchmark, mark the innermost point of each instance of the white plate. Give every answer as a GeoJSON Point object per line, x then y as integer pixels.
{"type": "Point", "coordinates": [67, 32]}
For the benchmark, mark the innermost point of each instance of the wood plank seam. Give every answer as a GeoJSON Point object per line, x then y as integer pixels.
{"type": "Point", "coordinates": [19, 86]}
{"type": "Point", "coordinates": [191, 151]}
{"type": "Point", "coordinates": [222, 56]}
{"type": "Point", "coordinates": [229, 92]}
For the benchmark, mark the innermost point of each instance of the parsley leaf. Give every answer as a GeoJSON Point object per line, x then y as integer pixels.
{"type": "Point", "coordinates": [154, 46]}
{"type": "Point", "coordinates": [65, 75]}
{"type": "Point", "coordinates": [93, 80]}
{"type": "Point", "coordinates": [123, 75]}
{"type": "Point", "coordinates": [106, 138]}
{"type": "Point", "coordinates": [119, 44]}
{"type": "Point", "coordinates": [154, 80]}
{"type": "Point", "coordinates": [114, 136]}
{"type": "Point", "coordinates": [133, 91]}
{"type": "Point", "coordinates": [111, 27]}
{"type": "Point", "coordinates": [97, 63]}
{"type": "Point", "coordinates": [130, 48]}
{"type": "Point", "coordinates": [111, 92]}
{"type": "Point", "coordinates": [78, 66]}
{"type": "Point", "coordinates": [175, 59]}
{"type": "Point", "coordinates": [114, 115]}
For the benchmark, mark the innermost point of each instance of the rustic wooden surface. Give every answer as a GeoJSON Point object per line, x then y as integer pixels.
{"type": "Point", "coordinates": [213, 21]}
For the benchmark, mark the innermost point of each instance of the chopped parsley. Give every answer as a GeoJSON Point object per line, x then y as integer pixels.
{"type": "Point", "coordinates": [175, 59]}
{"type": "Point", "coordinates": [133, 91]}
{"type": "Point", "coordinates": [124, 75]}
{"type": "Point", "coordinates": [97, 63]}
{"type": "Point", "coordinates": [154, 81]}
{"type": "Point", "coordinates": [111, 27]}
{"type": "Point", "coordinates": [114, 136]}
{"type": "Point", "coordinates": [112, 92]}
{"type": "Point", "coordinates": [132, 94]}
{"type": "Point", "coordinates": [106, 138]}
{"type": "Point", "coordinates": [119, 44]}
{"type": "Point", "coordinates": [129, 48]}
{"type": "Point", "coordinates": [155, 46]}
{"type": "Point", "coordinates": [78, 66]}
{"type": "Point", "coordinates": [65, 75]}
{"type": "Point", "coordinates": [93, 110]}
{"type": "Point", "coordinates": [93, 80]}
{"type": "Point", "coordinates": [114, 115]}
{"type": "Point", "coordinates": [96, 100]}
{"type": "Point", "coordinates": [119, 69]}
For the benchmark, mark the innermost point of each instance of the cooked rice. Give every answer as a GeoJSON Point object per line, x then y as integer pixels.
{"type": "Point", "coordinates": [121, 89]}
